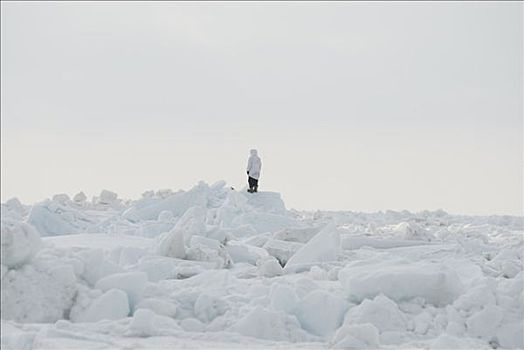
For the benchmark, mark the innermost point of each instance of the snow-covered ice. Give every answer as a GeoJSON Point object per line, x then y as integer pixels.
{"type": "Point", "coordinates": [20, 242]}
{"type": "Point", "coordinates": [211, 267]}
{"type": "Point", "coordinates": [435, 282]}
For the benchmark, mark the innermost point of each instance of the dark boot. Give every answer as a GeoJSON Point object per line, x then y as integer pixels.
{"type": "Point", "coordinates": [255, 189]}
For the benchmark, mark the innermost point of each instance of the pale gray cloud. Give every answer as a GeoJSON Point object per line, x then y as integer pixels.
{"type": "Point", "coordinates": [358, 106]}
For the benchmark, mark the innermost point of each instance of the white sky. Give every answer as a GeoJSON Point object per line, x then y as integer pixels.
{"type": "Point", "coordinates": [352, 106]}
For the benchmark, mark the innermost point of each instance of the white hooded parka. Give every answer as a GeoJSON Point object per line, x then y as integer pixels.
{"type": "Point", "coordinates": [254, 165]}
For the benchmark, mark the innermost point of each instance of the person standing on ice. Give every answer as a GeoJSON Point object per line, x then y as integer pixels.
{"type": "Point", "coordinates": [254, 165]}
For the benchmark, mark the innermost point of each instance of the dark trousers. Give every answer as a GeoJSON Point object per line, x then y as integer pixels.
{"type": "Point", "coordinates": [253, 183]}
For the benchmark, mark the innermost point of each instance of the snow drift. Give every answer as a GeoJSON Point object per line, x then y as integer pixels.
{"type": "Point", "coordinates": [213, 267]}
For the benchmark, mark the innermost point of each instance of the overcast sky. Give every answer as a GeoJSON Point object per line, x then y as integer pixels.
{"type": "Point", "coordinates": [352, 106]}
